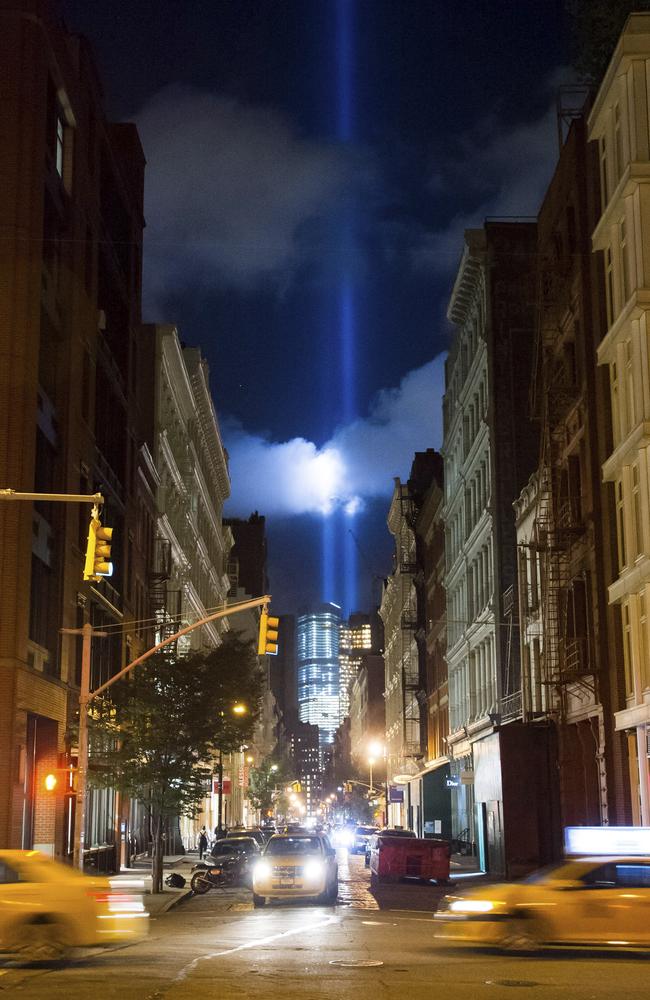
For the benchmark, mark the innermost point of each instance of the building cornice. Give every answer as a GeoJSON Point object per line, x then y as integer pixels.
{"type": "Point", "coordinates": [468, 276]}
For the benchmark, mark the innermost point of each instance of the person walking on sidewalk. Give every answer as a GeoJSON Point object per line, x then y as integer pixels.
{"type": "Point", "coordinates": [203, 842]}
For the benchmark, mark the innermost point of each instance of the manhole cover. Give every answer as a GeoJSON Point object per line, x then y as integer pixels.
{"type": "Point", "coordinates": [359, 963]}
{"type": "Point", "coordinates": [511, 982]}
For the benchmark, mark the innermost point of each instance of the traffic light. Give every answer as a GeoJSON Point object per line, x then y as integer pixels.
{"type": "Point", "coordinates": [268, 638]}
{"type": "Point", "coordinates": [98, 551]}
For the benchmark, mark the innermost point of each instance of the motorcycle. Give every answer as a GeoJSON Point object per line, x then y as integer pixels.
{"type": "Point", "coordinates": [216, 875]}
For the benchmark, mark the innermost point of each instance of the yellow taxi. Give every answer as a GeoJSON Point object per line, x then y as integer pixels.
{"type": "Point", "coordinates": [47, 908]}
{"type": "Point", "coordinates": [601, 902]}
{"type": "Point", "coordinates": [296, 865]}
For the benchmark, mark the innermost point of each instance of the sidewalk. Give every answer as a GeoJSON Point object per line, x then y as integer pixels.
{"type": "Point", "coordinates": [137, 879]}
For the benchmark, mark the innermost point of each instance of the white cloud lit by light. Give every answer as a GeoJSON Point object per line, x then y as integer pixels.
{"type": "Point", "coordinates": [359, 462]}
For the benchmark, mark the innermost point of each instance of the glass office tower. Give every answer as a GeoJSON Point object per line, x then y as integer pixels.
{"type": "Point", "coordinates": [317, 655]}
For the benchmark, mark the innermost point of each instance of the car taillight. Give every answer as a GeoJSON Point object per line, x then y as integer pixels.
{"type": "Point", "coordinates": [119, 902]}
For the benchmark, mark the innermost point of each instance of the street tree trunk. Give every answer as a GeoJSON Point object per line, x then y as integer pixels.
{"type": "Point", "coordinates": [157, 855]}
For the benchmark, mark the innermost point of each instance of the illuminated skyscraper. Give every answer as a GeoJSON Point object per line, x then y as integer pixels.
{"type": "Point", "coordinates": [317, 655]}
{"type": "Point", "coordinates": [360, 635]}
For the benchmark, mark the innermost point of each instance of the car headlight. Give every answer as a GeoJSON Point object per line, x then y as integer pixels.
{"type": "Point", "coordinates": [471, 906]}
{"type": "Point", "coordinates": [313, 871]}
{"type": "Point", "coordinates": [261, 870]}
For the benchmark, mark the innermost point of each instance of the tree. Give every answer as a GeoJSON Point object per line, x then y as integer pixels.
{"type": "Point", "coordinates": [154, 740]}
{"type": "Point", "coordinates": [263, 784]}
{"type": "Point", "coordinates": [595, 28]}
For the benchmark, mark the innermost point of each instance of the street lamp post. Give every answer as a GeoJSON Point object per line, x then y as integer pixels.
{"type": "Point", "coordinates": [371, 761]}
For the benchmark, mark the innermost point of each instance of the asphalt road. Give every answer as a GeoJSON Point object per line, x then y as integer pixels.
{"type": "Point", "coordinates": [216, 947]}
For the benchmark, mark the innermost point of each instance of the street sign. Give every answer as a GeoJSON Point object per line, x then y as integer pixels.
{"type": "Point", "coordinates": [395, 794]}
{"type": "Point", "coordinates": [227, 785]}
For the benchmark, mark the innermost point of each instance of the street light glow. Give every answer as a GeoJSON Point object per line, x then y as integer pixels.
{"type": "Point", "coordinates": [239, 709]}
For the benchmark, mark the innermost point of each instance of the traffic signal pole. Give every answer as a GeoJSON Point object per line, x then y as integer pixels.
{"type": "Point", "coordinates": [86, 696]}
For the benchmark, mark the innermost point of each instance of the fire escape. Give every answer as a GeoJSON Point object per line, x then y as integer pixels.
{"type": "Point", "coordinates": [165, 604]}
{"type": "Point", "coordinates": [566, 652]}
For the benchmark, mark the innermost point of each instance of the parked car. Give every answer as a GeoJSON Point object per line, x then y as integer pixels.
{"type": "Point", "coordinates": [244, 850]}
{"type": "Point", "coordinates": [47, 909]}
{"type": "Point", "coordinates": [600, 902]}
{"type": "Point", "coordinates": [296, 865]}
{"type": "Point", "coordinates": [256, 834]}
{"type": "Point", "coordinates": [386, 831]}
{"type": "Point", "coordinates": [362, 835]}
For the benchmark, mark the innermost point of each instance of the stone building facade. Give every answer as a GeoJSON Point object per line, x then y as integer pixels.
{"type": "Point", "coordinates": [489, 453]}
{"type": "Point", "coordinates": [618, 124]}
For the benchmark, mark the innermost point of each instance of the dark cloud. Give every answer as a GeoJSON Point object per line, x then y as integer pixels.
{"type": "Point", "coordinates": [230, 189]}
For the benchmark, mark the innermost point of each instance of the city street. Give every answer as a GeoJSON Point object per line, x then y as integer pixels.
{"type": "Point", "coordinates": [217, 946]}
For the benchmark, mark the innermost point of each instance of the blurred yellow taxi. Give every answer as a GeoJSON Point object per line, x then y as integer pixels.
{"type": "Point", "coordinates": [601, 902]}
{"type": "Point", "coordinates": [47, 908]}
{"type": "Point", "coordinates": [296, 865]}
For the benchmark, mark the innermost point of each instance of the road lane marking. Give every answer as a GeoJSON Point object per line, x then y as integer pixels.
{"type": "Point", "coordinates": [255, 943]}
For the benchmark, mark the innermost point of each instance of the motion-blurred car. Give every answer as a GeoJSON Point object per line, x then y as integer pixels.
{"type": "Point", "coordinates": [362, 835]}
{"type": "Point", "coordinates": [296, 866]}
{"type": "Point", "coordinates": [343, 836]}
{"type": "Point", "coordinates": [386, 831]}
{"type": "Point", "coordinates": [601, 902]}
{"type": "Point", "coordinates": [47, 909]}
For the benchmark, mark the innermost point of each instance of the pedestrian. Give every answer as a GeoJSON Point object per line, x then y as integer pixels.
{"type": "Point", "coordinates": [203, 842]}
{"type": "Point", "coordinates": [219, 833]}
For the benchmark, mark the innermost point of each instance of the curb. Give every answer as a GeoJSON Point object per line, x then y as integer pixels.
{"type": "Point", "coordinates": [174, 900]}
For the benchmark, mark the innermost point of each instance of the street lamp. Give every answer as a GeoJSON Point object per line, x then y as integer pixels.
{"type": "Point", "coordinates": [239, 709]}
{"type": "Point", "coordinates": [371, 761]}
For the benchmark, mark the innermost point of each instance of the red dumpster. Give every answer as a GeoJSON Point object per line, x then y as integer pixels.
{"type": "Point", "coordinates": [393, 858]}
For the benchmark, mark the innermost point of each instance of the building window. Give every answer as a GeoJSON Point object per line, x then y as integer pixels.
{"type": "Point", "coordinates": [636, 505]}
{"type": "Point", "coordinates": [602, 151]}
{"type": "Point", "coordinates": [625, 269]}
{"type": "Point", "coordinates": [620, 524]}
{"type": "Point", "coordinates": [627, 650]}
{"type": "Point", "coordinates": [618, 142]}
{"type": "Point", "coordinates": [609, 286]}
{"type": "Point", "coordinates": [60, 134]}
{"type": "Point", "coordinates": [643, 641]}
{"type": "Point", "coordinates": [616, 412]}
{"type": "Point", "coordinates": [629, 386]}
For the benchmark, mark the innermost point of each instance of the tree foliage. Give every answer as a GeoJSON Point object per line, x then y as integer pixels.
{"type": "Point", "coordinates": [265, 782]}
{"type": "Point", "coordinates": [156, 739]}
{"type": "Point", "coordinates": [595, 28]}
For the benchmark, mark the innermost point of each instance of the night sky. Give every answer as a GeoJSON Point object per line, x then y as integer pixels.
{"type": "Point", "coordinates": [311, 166]}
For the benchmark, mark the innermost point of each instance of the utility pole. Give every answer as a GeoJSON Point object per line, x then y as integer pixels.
{"type": "Point", "coordinates": [88, 634]}
{"type": "Point", "coordinates": [86, 696]}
